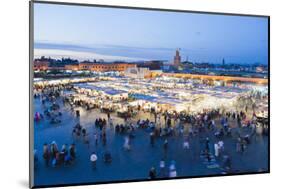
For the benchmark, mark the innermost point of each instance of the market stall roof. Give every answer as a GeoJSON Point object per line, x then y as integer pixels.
{"type": "Point", "coordinates": [144, 97]}
{"type": "Point", "coordinates": [226, 96]}
{"type": "Point", "coordinates": [69, 92]}
{"type": "Point", "coordinates": [107, 90]}
{"type": "Point", "coordinates": [114, 91]}
{"type": "Point", "coordinates": [160, 100]}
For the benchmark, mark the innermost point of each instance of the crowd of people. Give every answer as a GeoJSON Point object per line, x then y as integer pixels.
{"type": "Point", "coordinates": [55, 157]}
{"type": "Point", "coordinates": [217, 123]}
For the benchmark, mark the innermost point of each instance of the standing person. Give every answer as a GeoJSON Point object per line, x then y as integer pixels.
{"type": "Point", "coordinates": [172, 169]}
{"type": "Point", "coordinates": [67, 157]}
{"type": "Point", "coordinates": [127, 143]}
{"type": "Point", "coordinates": [181, 130]}
{"type": "Point", "coordinates": [103, 136]}
{"type": "Point", "coordinates": [74, 133]}
{"type": "Point", "coordinates": [158, 122]}
{"type": "Point", "coordinates": [165, 117]}
{"type": "Point", "coordinates": [54, 150]}
{"type": "Point", "coordinates": [155, 117]}
{"type": "Point", "coordinates": [243, 145]}
{"type": "Point", "coordinates": [186, 144]}
{"type": "Point", "coordinates": [86, 140]}
{"type": "Point", "coordinates": [239, 120]}
{"type": "Point", "coordinates": [103, 123]}
{"type": "Point", "coordinates": [36, 159]}
{"type": "Point", "coordinates": [152, 173]}
{"type": "Point", "coordinates": [152, 139]}
{"type": "Point", "coordinates": [221, 146]}
{"type": "Point", "coordinates": [72, 151]}
{"type": "Point", "coordinates": [169, 122]}
{"type": "Point", "coordinates": [213, 125]}
{"type": "Point", "coordinates": [162, 167]}
{"type": "Point", "coordinates": [77, 113]}
{"type": "Point", "coordinates": [93, 159]}
{"type": "Point", "coordinates": [227, 162]}
{"type": "Point", "coordinates": [190, 131]}
{"type": "Point", "coordinates": [84, 133]}
{"type": "Point", "coordinates": [165, 145]}
{"type": "Point", "coordinates": [207, 146]}
{"type": "Point", "coordinates": [46, 154]}
{"type": "Point", "coordinates": [104, 140]}
{"type": "Point", "coordinates": [64, 152]}
{"type": "Point", "coordinates": [238, 145]}
{"type": "Point", "coordinates": [233, 115]}
{"type": "Point", "coordinates": [216, 146]}
{"type": "Point", "coordinates": [110, 121]}
{"type": "Point", "coordinates": [96, 138]}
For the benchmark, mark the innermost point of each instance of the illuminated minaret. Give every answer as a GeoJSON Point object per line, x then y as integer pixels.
{"type": "Point", "coordinates": [177, 58]}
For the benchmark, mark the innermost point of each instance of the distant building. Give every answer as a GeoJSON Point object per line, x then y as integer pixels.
{"type": "Point", "coordinates": [152, 65]}
{"type": "Point", "coordinates": [135, 72]}
{"type": "Point", "coordinates": [177, 58]}
{"type": "Point", "coordinates": [40, 65]}
{"type": "Point", "coordinates": [105, 67]}
{"type": "Point", "coordinates": [89, 66]}
{"type": "Point", "coordinates": [72, 67]}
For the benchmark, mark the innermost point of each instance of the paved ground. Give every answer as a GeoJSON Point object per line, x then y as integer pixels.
{"type": "Point", "coordinates": [134, 164]}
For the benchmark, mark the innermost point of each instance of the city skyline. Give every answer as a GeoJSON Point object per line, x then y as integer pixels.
{"type": "Point", "coordinates": [148, 35]}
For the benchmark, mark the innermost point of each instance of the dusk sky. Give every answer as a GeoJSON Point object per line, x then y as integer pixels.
{"type": "Point", "coordinates": [122, 34]}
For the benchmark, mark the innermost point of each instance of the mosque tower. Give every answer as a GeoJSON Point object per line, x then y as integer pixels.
{"type": "Point", "coordinates": [177, 58]}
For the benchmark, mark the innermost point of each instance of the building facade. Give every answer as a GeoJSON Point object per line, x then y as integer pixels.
{"type": "Point", "coordinates": [72, 67]}
{"type": "Point", "coordinates": [98, 67]}
{"type": "Point", "coordinates": [152, 64]}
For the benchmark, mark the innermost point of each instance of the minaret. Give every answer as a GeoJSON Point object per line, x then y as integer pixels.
{"type": "Point", "coordinates": [177, 58]}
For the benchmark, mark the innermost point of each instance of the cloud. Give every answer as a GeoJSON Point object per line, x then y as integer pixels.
{"type": "Point", "coordinates": [80, 55]}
